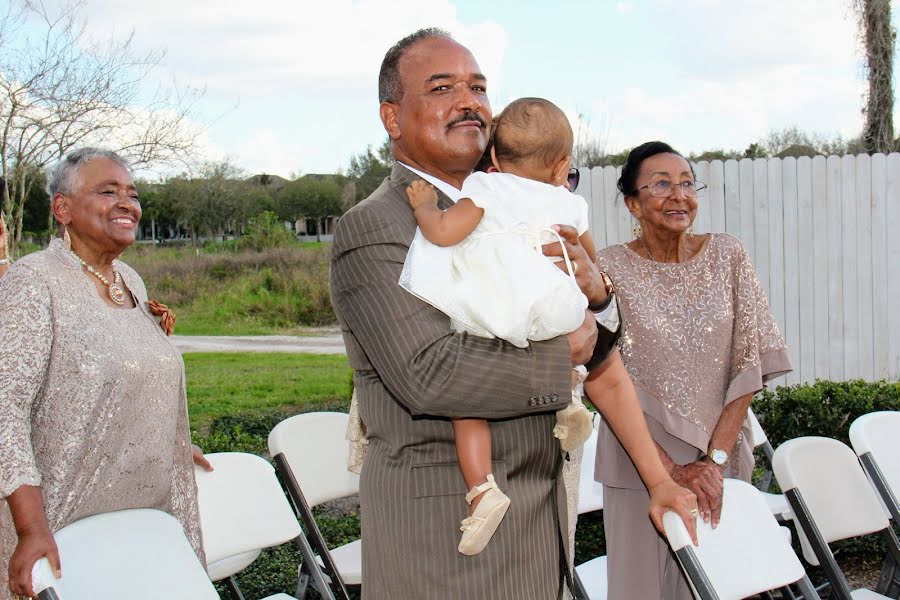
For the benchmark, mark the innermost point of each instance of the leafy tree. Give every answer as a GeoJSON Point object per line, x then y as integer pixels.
{"type": "Point", "coordinates": [265, 231]}
{"type": "Point", "coordinates": [369, 168]}
{"type": "Point", "coordinates": [61, 89]}
{"type": "Point", "coordinates": [311, 197]}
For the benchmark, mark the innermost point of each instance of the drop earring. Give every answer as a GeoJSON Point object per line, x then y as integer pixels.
{"type": "Point", "coordinates": [67, 239]}
{"type": "Point", "coordinates": [637, 231]}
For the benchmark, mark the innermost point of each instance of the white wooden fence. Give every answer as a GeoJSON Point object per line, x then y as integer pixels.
{"type": "Point", "coordinates": [824, 234]}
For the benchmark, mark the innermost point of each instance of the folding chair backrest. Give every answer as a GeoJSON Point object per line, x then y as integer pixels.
{"type": "Point", "coordinates": [242, 506]}
{"type": "Point", "coordinates": [316, 449]}
{"type": "Point", "coordinates": [833, 485]}
{"type": "Point", "coordinates": [756, 430]}
{"type": "Point", "coordinates": [139, 554]}
{"type": "Point", "coordinates": [590, 492]}
{"type": "Point", "coordinates": [746, 554]}
{"type": "Point", "coordinates": [878, 434]}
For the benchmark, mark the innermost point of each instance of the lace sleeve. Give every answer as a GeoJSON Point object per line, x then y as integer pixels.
{"type": "Point", "coordinates": [758, 351]}
{"type": "Point", "coordinates": [26, 336]}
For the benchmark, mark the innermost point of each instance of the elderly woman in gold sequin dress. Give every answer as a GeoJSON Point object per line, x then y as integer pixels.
{"type": "Point", "coordinates": [93, 416]}
{"type": "Point", "coordinates": [699, 340]}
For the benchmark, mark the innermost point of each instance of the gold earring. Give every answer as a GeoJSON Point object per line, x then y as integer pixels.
{"type": "Point", "coordinates": [636, 230]}
{"type": "Point", "coordinates": [690, 231]}
{"type": "Point", "coordinates": [67, 239]}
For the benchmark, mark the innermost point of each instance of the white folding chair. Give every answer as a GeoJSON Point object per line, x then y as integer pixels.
{"type": "Point", "coordinates": [310, 452]}
{"type": "Point", "coordinates": [777, 503]}
{"type": "Point", "coordinates": [242, 511]}
{"type": "Point", "coordinates": [139, 554]}
{"type": "Point", "coordinates": [590, 576]}
{"type": "Point", "coordinates": [874, 438]}
{"type": "Point", "coordinates": [747, 554]}
{"type": "Point", "coordinates": [831, 500]}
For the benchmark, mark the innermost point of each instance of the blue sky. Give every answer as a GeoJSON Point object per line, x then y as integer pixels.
{"type": "Point", "coordinates": [291, 84]}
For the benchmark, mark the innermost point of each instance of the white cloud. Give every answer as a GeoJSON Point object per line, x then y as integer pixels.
{"type": "Point", "coordinates": [261, 48]}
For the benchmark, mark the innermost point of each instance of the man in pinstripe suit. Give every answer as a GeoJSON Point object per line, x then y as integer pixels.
{"type": "Point", "coordinates": [412, 373]}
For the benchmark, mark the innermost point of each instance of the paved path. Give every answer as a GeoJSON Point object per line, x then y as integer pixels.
{"type": "Point", "coordinates": [329, 342]}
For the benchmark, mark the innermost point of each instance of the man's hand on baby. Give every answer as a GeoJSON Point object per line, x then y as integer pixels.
{"type": "Point", "coordinates": [420, 193]}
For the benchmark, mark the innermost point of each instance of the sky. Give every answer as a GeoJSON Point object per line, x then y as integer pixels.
{"type": "Point", "coordinates": [291, 85]}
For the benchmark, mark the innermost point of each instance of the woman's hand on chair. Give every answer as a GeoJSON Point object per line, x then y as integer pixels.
{"type": "Point", "coordinates": [34, 543]}
{"type": "Point", "coordinates": [667, 496]}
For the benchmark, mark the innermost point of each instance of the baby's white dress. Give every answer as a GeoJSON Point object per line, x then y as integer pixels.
{"type": "Point", "coordinates": [496, 282]}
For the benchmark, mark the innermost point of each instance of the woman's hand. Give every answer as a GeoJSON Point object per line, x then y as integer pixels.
{"type": "Point", "coordinates": [667, 496]}
{"type": "Point", "coordinates": [586, 273]}
{"type": "Point", "coordinates": [705, 479]}
{"type": "Point", "coordinates": [421, 192]}
{"type": "Point", "coordinates": [34, 543]}
{"type": "Point", "coordinates": [199, 459]}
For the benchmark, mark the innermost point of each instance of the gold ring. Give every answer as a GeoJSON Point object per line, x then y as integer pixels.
{"type": "Point", "coordinates": [574, 268]}
{"type": "Point", "coordinates": [695, 512]}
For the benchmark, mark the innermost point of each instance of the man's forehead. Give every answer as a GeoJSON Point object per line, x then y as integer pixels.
{"type": "Point", "coordinates": [434, 58]}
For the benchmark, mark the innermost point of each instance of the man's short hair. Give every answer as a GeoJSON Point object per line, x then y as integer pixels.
{"type": "Point", "coordinates": [62, 179]}
{"type": "Point", "coordinates": [389, 87]}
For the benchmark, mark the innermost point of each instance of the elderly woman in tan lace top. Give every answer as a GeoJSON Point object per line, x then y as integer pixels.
{"type": "Point", "coordinates": [698, 341]}
{"type": "Point", "coordinates": [93, 416]}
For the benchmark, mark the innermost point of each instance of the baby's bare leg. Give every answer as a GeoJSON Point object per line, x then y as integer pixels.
{"type": "Point", "coordinates": [473, 451]}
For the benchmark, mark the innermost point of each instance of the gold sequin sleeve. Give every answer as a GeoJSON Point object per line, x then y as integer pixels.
{"type": "Point", "coordinates": [26, 336]}
{"type": "Point", "coordinates": [758, 351]}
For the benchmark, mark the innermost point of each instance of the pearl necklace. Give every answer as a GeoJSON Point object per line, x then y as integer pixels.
{"type": "Point", "coordinates": [114, 289]}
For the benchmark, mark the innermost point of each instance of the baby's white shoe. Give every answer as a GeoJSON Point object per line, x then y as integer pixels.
{"type": "Point", "coordinates": [478, 528]}
{"type": "Point", "coordinates": [574, 424]}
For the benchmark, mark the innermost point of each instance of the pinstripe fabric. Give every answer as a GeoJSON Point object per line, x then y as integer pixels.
{"type": "Point", "coordinates": [412, 373]}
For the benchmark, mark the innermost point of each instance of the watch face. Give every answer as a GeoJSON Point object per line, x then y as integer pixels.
{"type": "Point", "coordinates": [719, 456]}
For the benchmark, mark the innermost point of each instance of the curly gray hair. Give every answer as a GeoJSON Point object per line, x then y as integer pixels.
{"type": "Point", "coordinates": [62, 178]}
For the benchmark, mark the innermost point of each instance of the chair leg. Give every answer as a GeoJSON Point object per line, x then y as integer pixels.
{"type": "Point", "coordinates": [48, 594]}
{"type": "Point", "coordinates": [233, 587]}
{"type": "Point", "coordinates": [807, 590]}
{"type": "Point", "coordinates": [580, 591]}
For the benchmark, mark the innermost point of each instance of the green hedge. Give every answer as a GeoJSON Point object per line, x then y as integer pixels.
{"type": "Point", "coordinates": [824, 408]}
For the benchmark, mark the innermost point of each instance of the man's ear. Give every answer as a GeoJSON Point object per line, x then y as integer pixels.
{"type": "Point", "coordinates": [60, 208]}
{"type": "Point", "coordinates": [388, 113]}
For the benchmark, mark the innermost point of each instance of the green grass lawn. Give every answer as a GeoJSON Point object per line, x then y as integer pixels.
{"type": "Point", "coordinates": [228, 383]}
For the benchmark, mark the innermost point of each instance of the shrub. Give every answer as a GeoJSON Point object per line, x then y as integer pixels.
{"type": "Point", "coordinates": [824, 408]}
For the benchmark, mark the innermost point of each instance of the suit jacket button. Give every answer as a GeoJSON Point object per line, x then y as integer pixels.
{"type": "Point", "coordinates": [554, 397]}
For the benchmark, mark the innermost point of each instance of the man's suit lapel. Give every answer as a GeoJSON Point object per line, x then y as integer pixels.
{"type": "Point", "coordinates": [404, 177]}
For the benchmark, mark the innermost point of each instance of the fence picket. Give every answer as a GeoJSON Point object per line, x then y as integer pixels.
{"type": "Point", "coordinates": [790, 258]}
{"type": "Point", "coordinates": [806, 350]}
{"type": "Point", "coordinates": [893, 261]}
{"type": "Point", "coordinates": [715, 196]}
{"type": "Point", "coordinates": [865, 362]}
{"type": "Point", "coordinates": [820, 254]}
{"type": "Point", "coordinates": [881, 341]}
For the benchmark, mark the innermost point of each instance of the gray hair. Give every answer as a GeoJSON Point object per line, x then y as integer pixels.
{"type": "Point", "coordinates": [389, 87]}
{"type": "Point", "coordinates": [62, 178]}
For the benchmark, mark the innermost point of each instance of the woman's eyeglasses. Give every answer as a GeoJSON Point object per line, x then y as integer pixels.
{"type": "Point", "coordinates": [665, 188]}
{"type": "Point", "coordinates": [573, 178]}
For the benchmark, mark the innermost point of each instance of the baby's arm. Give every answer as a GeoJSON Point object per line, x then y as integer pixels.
{"type": "Point", "coordinates": [442, 227]}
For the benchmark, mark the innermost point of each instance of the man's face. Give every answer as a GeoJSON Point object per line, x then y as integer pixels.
{"type": "Point", "coordinates": [443, 117]}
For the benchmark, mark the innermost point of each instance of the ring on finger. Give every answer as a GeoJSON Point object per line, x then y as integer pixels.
{"type": "Point", "coordinates": [695, 512]}
{"type": "Point", "coordinates": [574, 268]}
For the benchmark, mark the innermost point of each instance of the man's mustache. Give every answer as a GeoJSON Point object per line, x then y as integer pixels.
{"type": "Point", "coordinates": [467, 116]}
